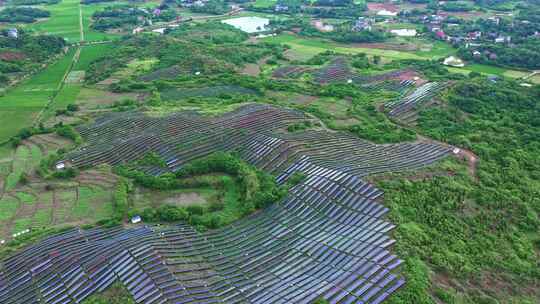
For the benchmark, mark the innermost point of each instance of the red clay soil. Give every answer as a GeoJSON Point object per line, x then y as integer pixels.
{"type": "Point", "coordinates": [382, 6]}
{"type": "Point", "coordinates": [12, 56]}
{"type": "Point", "coordinates": [410, 75]}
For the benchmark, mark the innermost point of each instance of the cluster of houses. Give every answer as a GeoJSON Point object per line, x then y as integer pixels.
{"type": "Point", "coordinates": [363, 24]}
{"type": "Point", "coordinates": [434, 24]}
{"type": "Point", "coordinates": [192, 3]}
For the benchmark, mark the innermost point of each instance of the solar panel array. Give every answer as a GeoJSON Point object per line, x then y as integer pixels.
{"type": "Point", "coordinates": [327, 239]}
{"type": "Point", "coordinates": [252, 130]}
{"type": "Point", "coordinates": [405, 108]}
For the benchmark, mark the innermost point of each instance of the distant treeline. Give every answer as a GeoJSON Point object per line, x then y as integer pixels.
{"type": "Point", "coordinates": [22, 14]}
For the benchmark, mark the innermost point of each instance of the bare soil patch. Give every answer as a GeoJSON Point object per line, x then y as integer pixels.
{"type": "Point", "coordinates": [472, 161]}
{"type": "Point", "coordinates": [292, 54]}
{"type": "Point", "coordinates": [346, 122]}
{"type": "Point", "coordinates": [251, 69]}
{"type": "Point", "coordinates": [185, 199]}
{"type": "Point", "coordinates": [411, 75]}
{"type": "Point", "coordinates": [12, 56]}
{"type": "Point", "coordinates": [92, 98]}
{"type": "Point", "coordinates": [382, 6]}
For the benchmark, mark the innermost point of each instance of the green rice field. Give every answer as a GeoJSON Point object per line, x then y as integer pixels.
{"type": "Point", "coordinates": [65, 21]}
{"type": "Point", "coordinates": [20, 105]}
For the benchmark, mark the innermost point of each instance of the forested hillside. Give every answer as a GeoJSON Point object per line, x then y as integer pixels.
{"type": "Point", "coordinates": [475, 238]}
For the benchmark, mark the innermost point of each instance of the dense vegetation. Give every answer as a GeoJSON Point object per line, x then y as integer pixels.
{"type": "Point", "coordinates": [468, 231]}
{"type": "Point", "coordinates": [207, 48]}
{"type": "Point", "coordinates": [255, 190]}
{"type": "Point", "coordinates": [317, 9]}
{"type": "Point", "coordinates": [215, 7]}
{"type": "Point", "coordinates": [26, 53]}
{"type": "Point", "coordinates": [22, 14]}
{"type": "Point", "coordinates": [32, 2]}
{"type": "Point", "coordinates": [116, 294]}
{"type": "Point", "coordinates": [527, 55]}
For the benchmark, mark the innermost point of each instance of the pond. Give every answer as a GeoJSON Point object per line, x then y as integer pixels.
{"type": "Point", "coordinates": [248, 24]}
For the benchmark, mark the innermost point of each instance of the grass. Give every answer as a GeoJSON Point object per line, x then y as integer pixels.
{"type": "Point", "coordinates": [231, 201]}
{"type": "Point", "coordinates": [36, 155]}
{"type": "Point", "coordinates": [264, 3]}
{"type": "Point", "coordinates": [90, 53]}
{"type": "Point", "coordinates": [21, 224]}
{"type": "Point", "coordinates": [26, 198]}
{"type": "Point", "coordinates": [399, 25]}
{"type": "Point", "coordinates": [90, 204]}
{"type": "Point", "coordinates": [42, 217]}
{"type": "Point", "coordinates": [313, 46]}
{"type": "Point", "coordinates": [155, 198]}
{"type": "Point", "coordinates": [515, 74]}
{"type": "Point", "coordinates": [20, 161]}
{"type": "Point", "coordinates": [486, 69]}
{"type": "Point", "coordinates": [116, 294]}
{"type": "Point", "coordinates": [8, 208]}
{"type": "Point", "coordinates": [201, 105]}
{"type": "Point", "coordinates": [535, 79]}
{"type": "Point", "coordinates": [66, 96]}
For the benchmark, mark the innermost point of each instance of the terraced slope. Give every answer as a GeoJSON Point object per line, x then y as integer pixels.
{"type": "Point", "coordinates": [326, 239]}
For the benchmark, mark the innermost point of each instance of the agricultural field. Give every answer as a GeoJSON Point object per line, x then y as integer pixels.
{"type": "Point", "coordinates": [71, 20]}
{"type": "Point", "coordinates": [21, 105]}
{"type": "Point", "coordinates": [41, 95]}
{"type": "Point", "coordinates": [28, 201]}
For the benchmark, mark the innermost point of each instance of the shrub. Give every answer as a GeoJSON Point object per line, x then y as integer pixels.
{"type": "Point", "coordinates": [120, 200]}
{"type": "Point", "coordinates": [69, 132]}
{"type": "Point", "coordinates": [66, 173]}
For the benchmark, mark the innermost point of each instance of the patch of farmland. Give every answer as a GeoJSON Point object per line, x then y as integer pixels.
{"type": "Point", "coordinates": [20, 105]}
{"type": "Point", "coordinates": [75, 77]}
{"type": "Point", "coordinates": [92, 98]}
{"type": "Point", "coordinates": [48, 203]}
{"type": "Point", "coordinates": [214, 91]}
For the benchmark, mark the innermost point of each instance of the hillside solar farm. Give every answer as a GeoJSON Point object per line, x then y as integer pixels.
{"type": "Point", "coordinates": [269, 151]}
